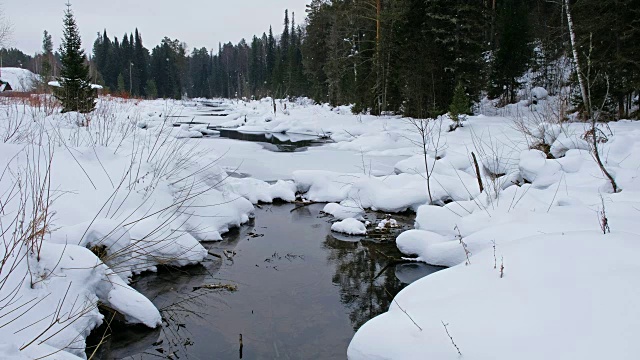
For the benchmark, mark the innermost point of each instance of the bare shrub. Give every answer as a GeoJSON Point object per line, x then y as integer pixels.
{"type": "Point", "coordinates": [429, 133]}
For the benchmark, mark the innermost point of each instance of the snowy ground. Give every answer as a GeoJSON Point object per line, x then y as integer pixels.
{"type": "Point", "coordinates": [129, 187]}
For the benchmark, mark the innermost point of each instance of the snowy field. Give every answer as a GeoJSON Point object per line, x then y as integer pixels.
{"type": "Point", "coordinates": [86, 202]}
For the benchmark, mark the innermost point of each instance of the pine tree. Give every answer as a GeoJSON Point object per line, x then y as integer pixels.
{"type": "Point", "coordinates": [285, 43]}
{"type": "Point", "coordinates": [315, 49]}
{"type": "Point", "coordinates": [514, 50]}
{"type": "Point", "coordinates": [140, 64]}
{"type": "Point", "coordinates": [46, 70]}
{"type": "Point", "coordinates": [460, 106]}
{"type": "Point", "coordinates": [271, 59]}
{"type": "Point", "coordinates": [151, 89]}
{"type": "Point", "coordinates": [75, 92]}
{"type": "Point", "coordinates": [121, 86]}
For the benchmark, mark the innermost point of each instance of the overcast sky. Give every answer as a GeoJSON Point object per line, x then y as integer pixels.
{"type": "Point", "coordinates": [199, 23]}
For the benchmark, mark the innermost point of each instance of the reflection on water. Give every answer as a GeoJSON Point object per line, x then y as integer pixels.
{"type": "Point", "coordinates": [301, 294]}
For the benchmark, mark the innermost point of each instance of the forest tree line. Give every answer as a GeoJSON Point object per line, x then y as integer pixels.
{"type": "Point", "coordinates": [396, 56]}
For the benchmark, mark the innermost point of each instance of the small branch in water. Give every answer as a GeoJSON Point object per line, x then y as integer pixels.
{"type": "Point", "coordinates": [214, 254]}
{"type": "Point", "coordinates": [393, 262]}
{"type": "Point", "coordinates": [241, 346]}
{"type": "Point", "coordinates": [303, 204]}
{"type": "Point", "coordinates": [228, 287]}
{"type": "Point", "coordinates": [451, 337]}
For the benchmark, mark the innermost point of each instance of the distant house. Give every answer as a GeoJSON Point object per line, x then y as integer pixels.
{"type": "Point", "coordinates": [17, 80]}
{"type": "Point", "coordinates": [5, 86]}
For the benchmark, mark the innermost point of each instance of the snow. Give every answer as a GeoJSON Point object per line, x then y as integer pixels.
{"type": "Point", "coordinates": [539, 93]}
{"type": "Point", "coordinates": [542, 219]}
{"type": "Point", "coordinates": [56, 83]}
{"type": "Point", "coordinates": [563, 296]}
{"type": "Point", "coordinates": [349, 226]}
{"type": "Point", "coordinates": [141, 193]}
{"type": "Point", "coordinates": [342, 212]}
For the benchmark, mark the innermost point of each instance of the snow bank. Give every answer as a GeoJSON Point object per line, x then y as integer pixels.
{"type": "Point", "coordinates": [545, 226]}
{"type": "Point", "coordinates": [563, 296]}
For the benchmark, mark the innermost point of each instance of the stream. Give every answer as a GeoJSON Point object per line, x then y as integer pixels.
{"type": "Point", "coordinates": [293, 290]}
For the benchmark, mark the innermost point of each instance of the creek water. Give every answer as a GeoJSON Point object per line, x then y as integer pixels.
{"type": "Point", "coordinates": [301, 292]}
{"type": "Point", "coordinates": [275, 142]}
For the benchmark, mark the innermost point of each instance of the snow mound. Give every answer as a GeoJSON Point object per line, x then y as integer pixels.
{"type": "Point", "coordinates": [539, 93]}
{"type": "Point", "coordinates": [345, 211]}
{"type": "Point", "coordinates": [584, 299]}
{"type": "Point", "coordinates": [349, 226]}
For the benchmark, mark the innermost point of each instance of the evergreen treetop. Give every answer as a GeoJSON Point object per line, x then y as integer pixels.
{"type": "Point", "coordinates": [75, 91]}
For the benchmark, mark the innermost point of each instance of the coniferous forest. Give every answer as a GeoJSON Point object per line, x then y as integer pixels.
{"type": "Point", "coordinates": [396, 56]}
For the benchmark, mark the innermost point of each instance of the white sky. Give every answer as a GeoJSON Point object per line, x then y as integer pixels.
{"type": "Point", "coordinates": [199, 23]}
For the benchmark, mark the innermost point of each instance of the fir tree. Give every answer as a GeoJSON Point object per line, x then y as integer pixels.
{"type": "Point", "coordinates": [140, 64]}
{"type": "Point", "coordinates": [151, 89]}
{"type": "Point", "coordinates": [514, 51]}
{"type": "Point", "coordinates": [121, 86]}
{"type": "Point", "coordinates": [460, 106]}
{"type": "Point", "coordinates": [75, 92]}
{"type": "Point", "coordinates": [271, 59]}
{"type": "Point", "coordinates": [46, 70]}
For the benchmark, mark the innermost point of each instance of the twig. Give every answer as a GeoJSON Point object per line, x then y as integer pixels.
{"type": "Point", "coordinates": [400, 307]}
{"type": "Point", "coordinates": [451, 337]}
{"type": "Point", "coordinates": [495, 260]}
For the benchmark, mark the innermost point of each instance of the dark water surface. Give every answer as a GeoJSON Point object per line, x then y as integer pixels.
{"type": "Point", "coordinates": [301, 293]}
{"type": "Point", "coordinates": [275, 142]}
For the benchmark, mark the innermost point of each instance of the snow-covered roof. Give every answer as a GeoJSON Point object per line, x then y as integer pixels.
{"type": "Point", "coordinates": [19, 79]}
{"type": "Point", "coordinates": [57, 84]}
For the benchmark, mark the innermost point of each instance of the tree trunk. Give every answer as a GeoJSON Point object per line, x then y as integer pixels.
{"type": "Point", "coordinates": [572, 35]}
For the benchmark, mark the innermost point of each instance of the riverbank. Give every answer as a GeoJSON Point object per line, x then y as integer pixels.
{"type": "Point", "coordinates": [123, 191]}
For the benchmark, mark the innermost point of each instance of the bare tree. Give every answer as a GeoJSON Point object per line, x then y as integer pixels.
{"type": "Point", "coordinates": [586, 98]}
{"type": "Point", "coordinates": [572, 35]}
{"type": "Point", "coordinates": [6, 29]}
{"type": "Point", "coordinates": [430, 132]}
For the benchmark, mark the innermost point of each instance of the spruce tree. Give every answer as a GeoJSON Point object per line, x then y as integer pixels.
{"type": "Point", "coordinates": [75, 92]}
{"type": "Point", "coordinates": [514, 52]}
{"type": "Point", "coordinates": [151, 90]}
{"type": "Point", "coordinates": [140, 65]}
{"type": "Point", "coordinates": [46, 70]}
{"type": "Point", "coordinates": [460, 106]}
{"type": "Point", "coordinates": [271, 59]}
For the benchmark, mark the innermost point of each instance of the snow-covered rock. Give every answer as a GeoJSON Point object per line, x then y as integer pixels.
{"type": "Point", "coordinates": [349, 226]}
{"type": "Point", "coordinates": [539, 93]}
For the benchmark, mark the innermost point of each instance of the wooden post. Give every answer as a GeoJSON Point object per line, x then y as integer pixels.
{"type": "Point", "coordinates": [475, 164]}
